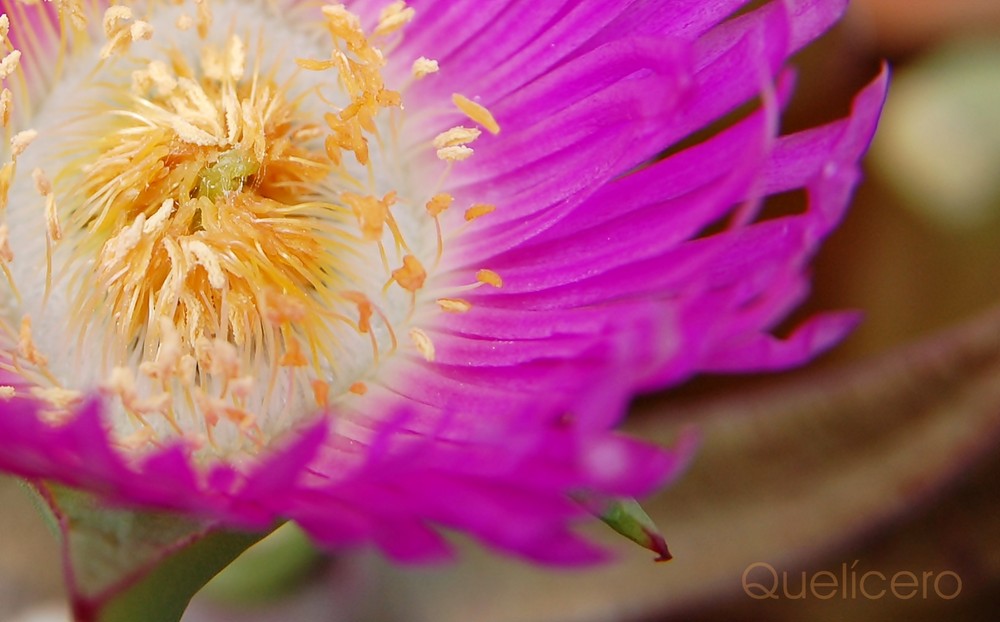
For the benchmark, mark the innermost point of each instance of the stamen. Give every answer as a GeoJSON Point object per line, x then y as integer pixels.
{"type": "Point", "coordinates": [476, 112]}
{"type": "Point", "coordinates": [6, 97]}
{"type": "Point", "coordinates": [411, 275]}
{"type": "Point", "coordinates": [490, 278]}
{"type": "Point", "coordinates": [26, 347]}
{"type": "Point", "coordinates": [456, 136]}
{"type": "Point", "coordinates": [478, 211]}
{"type": "Point", "coordinates": [392, 18]}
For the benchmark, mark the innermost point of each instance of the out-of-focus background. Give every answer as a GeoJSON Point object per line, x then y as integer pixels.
{"type": "Point", "coordinates": [896, 473]}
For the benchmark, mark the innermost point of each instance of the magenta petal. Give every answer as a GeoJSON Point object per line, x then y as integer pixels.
{"type": "Point", "coordinates": [631, 257]}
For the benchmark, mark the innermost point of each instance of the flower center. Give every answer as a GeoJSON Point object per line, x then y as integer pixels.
{"type": "Point", "coordinates": [226, 244]}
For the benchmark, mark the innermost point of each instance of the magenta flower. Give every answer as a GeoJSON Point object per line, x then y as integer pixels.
{"type": "Point", "coordinates": [379, 268]}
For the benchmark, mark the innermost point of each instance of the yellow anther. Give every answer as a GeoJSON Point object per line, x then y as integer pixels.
{"type": "Point", "coordinates": [454, 305]}
{"type": "Point", "coordinates": [358, 388]}
{"type": "Point", "coordinates": [184, 22]}
{"type": "Point", "coordinates": [293, 356]}
{"type": "Point", "coordinates": [284, 309]}
{"type": "Point", "coordinates": [423, 344]}
{"type": "Point", "coordinates": [114, 17]}
{"type": "Point", "coordinates": [6, 175]}
{"type": "Point", "coordinates": [392, 18]}
{"type": "Point", "coordinates": [241, 388]}
{"type": "Point", "coordinates": [6, 254]}
{"type": "Point", "coordinates": [439, 203]}
{"type": "Point", "coordinates": [6, 391]}
{"type": "Point", "coordinates": [159, 219]}
{"type": "Point", "coordinates": [321, 393]}
{"type": "Point", "coordinates": [6, 98]}
{"type": "Point", "coordinates": [489, 277]}
{"type": "Point", "coordinates": [44, 187]}
{"type": "Point", "coordinates": [120, 382]}
{"type": "Point", "coordinates": [423, 67]}
{"type": "Point", "coordinates": [198, 252]}
{"type": "Point", "coordinates": [9, 64]}
{"type": "Point", "coordinates": [456, 136]}
{"type": "Point", "coordinates": [372, 213]}
{"type": "Point", "coordinates": [141, 31]}
{"type": "Point", "coordinates": [456, 153]}
{"type": "Point", "coordinates": [365, 310]}
{"type": "Point", "coordinates": [20, 141]}
{"type": "Point", "coordinates": [42, 184]}
{"type": "Point", "coordinates": [224, 360]}
{"type": "Point", "coordinates": [478, 211]}
{"type": "Point", "coordinates": [411, 275]}
{"type": "Point", "coordinates": [26, 347]}
{"type": "Point", "coordinates": [204, 12]}
{"type": "Point", "coordinates": [476, 112]}
{"type": "Point", "coordinates": [311, 64]}
{"type": "Point", "coordinates": [57, 397]}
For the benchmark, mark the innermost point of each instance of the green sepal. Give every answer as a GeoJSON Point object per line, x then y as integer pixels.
{"type": "Point", "coordinates": [627, 517]}
{"type": "Point", "coordinates": [123, 565]}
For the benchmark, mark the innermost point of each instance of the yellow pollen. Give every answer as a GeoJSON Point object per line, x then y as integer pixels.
{"type": "Point", "coordinates": [423, 67]}
{"type": "Point", "coordinates": [9, 64]}
{"type": "Point", "coordinates": [7, 392]}
{"type": "Point", "coordinates": [476, 112]}
{"type": "Point", "coordinates": [489, 277]}
{"type": "Point", "coordinates": [478, 211]}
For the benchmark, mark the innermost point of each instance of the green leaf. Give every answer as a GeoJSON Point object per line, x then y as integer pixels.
{"type": "Point", "coordinates": [125, 566]}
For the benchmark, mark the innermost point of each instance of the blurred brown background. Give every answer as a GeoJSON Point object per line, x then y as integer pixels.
{"type": "Point", "coordinates": [894, 486]}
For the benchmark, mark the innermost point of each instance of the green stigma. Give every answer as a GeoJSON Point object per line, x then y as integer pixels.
{"type": "Point", "coordinates": [227, 175]}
